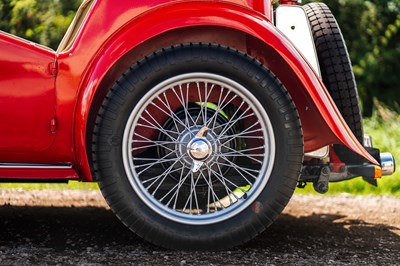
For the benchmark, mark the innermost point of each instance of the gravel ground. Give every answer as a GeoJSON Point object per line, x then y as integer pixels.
{"type": "Point", "coordinates": [77, 228]}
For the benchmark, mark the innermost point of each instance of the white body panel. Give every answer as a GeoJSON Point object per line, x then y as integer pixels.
{"type": "Point", "coordinates": [292, 21]}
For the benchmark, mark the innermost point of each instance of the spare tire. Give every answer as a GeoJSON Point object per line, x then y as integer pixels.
{"type": "Point", "coordinates": [337, 73]}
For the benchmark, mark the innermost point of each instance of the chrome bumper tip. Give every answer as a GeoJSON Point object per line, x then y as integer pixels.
{"type": "Point", "coordinates": [388, 163]}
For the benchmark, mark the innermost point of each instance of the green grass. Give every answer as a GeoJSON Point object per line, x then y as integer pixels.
{"type": "Point", "coordinates": [70, 185]}
{"type": "Point", "coordinates": [384, 128]}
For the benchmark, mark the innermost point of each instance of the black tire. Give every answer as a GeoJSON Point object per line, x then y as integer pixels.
{"type": "Point", "coordinates": [126, 183]}
{"type": "Point", "coordinates": [337, 73]}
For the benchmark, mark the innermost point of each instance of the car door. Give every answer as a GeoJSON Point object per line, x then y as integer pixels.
{"type": "Point", "coordinates": [27, 96]}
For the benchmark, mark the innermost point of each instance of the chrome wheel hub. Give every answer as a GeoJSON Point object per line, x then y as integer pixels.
{"type": "Point", "coordinates": [196, 143]}
{"type": "Point", "coordinates": [199, 149]}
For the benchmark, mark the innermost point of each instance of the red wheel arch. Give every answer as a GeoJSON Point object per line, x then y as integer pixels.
{"type": "Point", "coordinates": [184, 22]}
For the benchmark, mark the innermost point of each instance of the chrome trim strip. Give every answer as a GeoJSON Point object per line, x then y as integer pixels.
{"type": "Point", "coordinates": [35, 166]}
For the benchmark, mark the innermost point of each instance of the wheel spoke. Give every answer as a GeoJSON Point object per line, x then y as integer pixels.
{"type": "Point", "coordinates": [186, 105]}
{"type": "Point", "coordinates": [179, 187]}
{"type": "Point", "coordinates": [234, 121]}
{"type": "Point", "coordinates": [163, 176]}
{"type": "Point", "coordinates": [210, 189]}
{"type": "Point", "coordinates": [156, 143]}
{"type": "Point", "coordinates": [241, 151]}
{"type": "Point", "coordinates": [235, 153]}
{"type": "Point", "coordinates": [227, 189]}
{"type": "Point", "coordinates": [175, 188]}
{"type": "Point", "coordinates": [201, 103]}
{"type": "Point", "coordinates": [231, 123]}
{"type": "Point", "coordinates": [189, 201]}
{"type": "Point", "coordinates": [207, 95]}
{"type": "Point", "coordinates": [241, 167]}
{"type": "Point", "coordinates": [221, 177]}
{"type": "Point", "coordinates": [151, 146]}
{"type": "Point", "coordinates": [238, 169]}
{"type": "Point", "coordinates": [184, 102]}
{"type": "Point", "coordinates": [243, 134]}
{"type": "Point", "coordinates": [158, 161]}
{"type": "Point", "coordinates": [157, 127]}
{"type": "Point", "coordinates": [170, 113]}
{"type": "Point", "coordinates": [246, 131]}
{"type": "Point", "coordinates": [156, 178]}
{"type": "Point", "coordinates": [164, 100]}
{"type": "Point", "coordinates": [220, 108]}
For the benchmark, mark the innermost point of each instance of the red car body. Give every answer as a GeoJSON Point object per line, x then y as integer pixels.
{"type": "Point", "coordinates": [49, 99]}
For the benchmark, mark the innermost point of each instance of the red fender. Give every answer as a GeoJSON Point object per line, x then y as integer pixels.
{"type": "Point", "coordinates": [318, 113]}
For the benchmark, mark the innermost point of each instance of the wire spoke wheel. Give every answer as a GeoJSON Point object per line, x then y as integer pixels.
{"type": "Point", "coordinates": [197, 141]}
{"type": "Point", "coordinates": [211, 157]}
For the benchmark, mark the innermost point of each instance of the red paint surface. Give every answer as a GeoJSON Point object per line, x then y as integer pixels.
{"type": "Point", "coordinates": [115, 35]}
{"type": "Point", "coordinates": [38, 174]}
{"type": "Point", "coordinates": [27, 96]}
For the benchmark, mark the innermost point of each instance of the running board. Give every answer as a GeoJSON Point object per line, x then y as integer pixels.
{"type": "Point", "coordinates": [40, 172]}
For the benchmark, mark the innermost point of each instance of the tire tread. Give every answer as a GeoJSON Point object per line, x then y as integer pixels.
{"type": "Point", "coordinates": [336, 70]}
{"type": "Point", "coordinates": [104, 141]}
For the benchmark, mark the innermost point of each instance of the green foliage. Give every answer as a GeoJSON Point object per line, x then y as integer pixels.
{"type": "Point", "coordinates": [372, 33]}
{"type": "Point", "coordinates": [41, 21]}
{"type": "Point", "coordinates": [71, 185]}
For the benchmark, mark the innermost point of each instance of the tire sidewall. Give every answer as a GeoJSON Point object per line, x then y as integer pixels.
{"type": "Point", "coordinates": [269, 203]}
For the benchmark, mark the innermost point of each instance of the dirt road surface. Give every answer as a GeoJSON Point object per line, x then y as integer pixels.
{"type": "Point", "coordinates": [77, 228]}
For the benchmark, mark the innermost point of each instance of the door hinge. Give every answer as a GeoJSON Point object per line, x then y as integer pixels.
{"type": "Point", "coordinates": [53, 67]}
{"type": "Point", "coordinates": [53, 125]}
